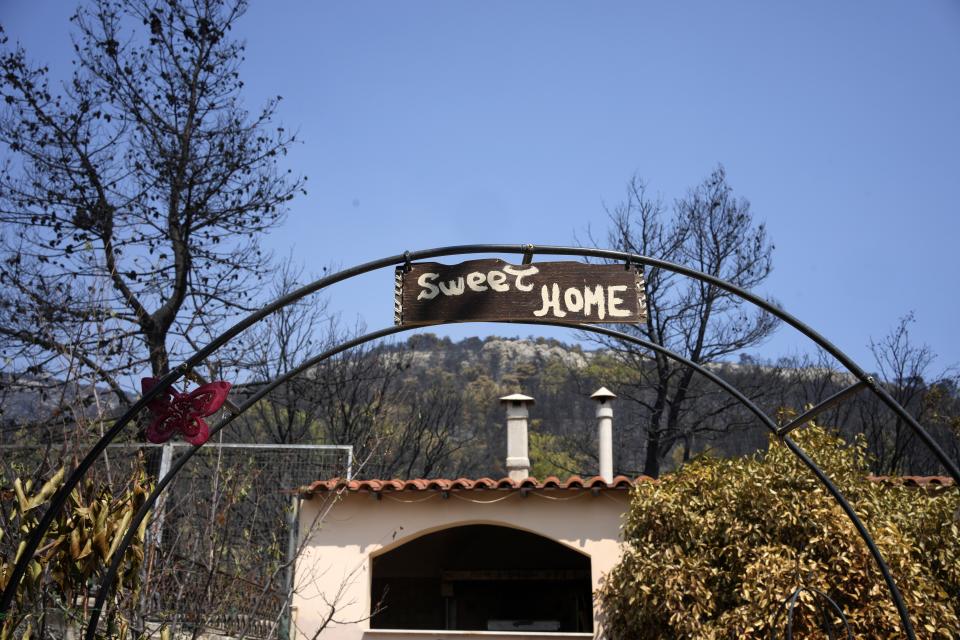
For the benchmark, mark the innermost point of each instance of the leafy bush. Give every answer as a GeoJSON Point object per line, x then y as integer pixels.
{"type": "Point", "coordinates": [714, 550]}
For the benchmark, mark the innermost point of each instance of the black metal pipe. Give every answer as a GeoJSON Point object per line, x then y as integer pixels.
{"type": "Point", "coordinates": [109, 577]}
{"type": "Point", "coordinates": [826, 405]}
{"type": "Point", "coordinates": [59, 499]}
{"type": "Point", "coordinates": [790, 603]}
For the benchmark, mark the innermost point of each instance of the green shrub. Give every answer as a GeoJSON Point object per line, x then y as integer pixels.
{"type": "Point", "coordinates": [715, 549]}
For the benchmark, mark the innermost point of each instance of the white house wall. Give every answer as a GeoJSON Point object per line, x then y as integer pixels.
{"type": "Point", "coordinates": [334, 568]}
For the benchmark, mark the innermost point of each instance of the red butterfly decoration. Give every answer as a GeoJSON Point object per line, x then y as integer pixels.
{"type": "Point", "coordinates": [183, 412]}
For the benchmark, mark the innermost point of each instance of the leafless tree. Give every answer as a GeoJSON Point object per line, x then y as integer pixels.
{"type": "Point", "coordinates": [275, 347]}
{"type": "Point", "coordinates": [712, 231]}
{"type": "Point", "coordinates": [133, 198]}
{"type": "Point", "coordinates": [427, 432]}
{"type": "Point", "coordinates": [797, 382]}
{"type": "Point", "coordinates": [401, 426]}
{"type": "Point", "coordinates": [142, 179]}
{"type": "Point", "coordinates": [906, 370]}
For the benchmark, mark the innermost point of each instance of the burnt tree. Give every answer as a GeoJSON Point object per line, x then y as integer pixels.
{"type": "Point", "coordinates": [712, 231]}
{"type": "Point", "coordinates": [134, 193]}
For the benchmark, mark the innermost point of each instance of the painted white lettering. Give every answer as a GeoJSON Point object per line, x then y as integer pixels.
{"type": "Point", "coordinates": [475, 281]}
{"type": "Point", "coordinates": [498, 281]}
{"type": "Point", "coordinates": [520, 274]}
{"type": "Point", "coordinates": [550, 301]}
{"type": "Point", "coordinates": [596, 299]}
{"type": "Point", "coordinates": [431, 290]}
{"type": "Point", "coordinates": [613, 301]}
{"type": "Point", "coordinates": [573, 299]}
{"type": "Point", "coordinates": [452, 288]}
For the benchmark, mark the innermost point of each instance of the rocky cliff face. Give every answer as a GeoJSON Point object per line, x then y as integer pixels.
{"type": "Point", "coordinates": [511, 352]}
{"type": "Point", "coordinates": [496, 356]}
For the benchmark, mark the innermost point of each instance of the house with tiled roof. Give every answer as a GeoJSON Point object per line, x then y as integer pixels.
{"type": "Point", "coordinates": [450, 559]}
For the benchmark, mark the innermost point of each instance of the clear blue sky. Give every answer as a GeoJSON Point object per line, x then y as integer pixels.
{"type": "Point", "coordinates": [435, 123]}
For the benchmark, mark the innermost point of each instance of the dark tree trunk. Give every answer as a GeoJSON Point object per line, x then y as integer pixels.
{"type": "Point", "coordinates": [687, 446]}
{"type": "Point", "coordinates": [159, 358]}
{"type": "Point", "coordinates": [651, 466]}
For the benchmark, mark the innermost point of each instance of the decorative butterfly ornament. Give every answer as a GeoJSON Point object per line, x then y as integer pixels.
{"type": "Point", "coordinates": [184, 412]}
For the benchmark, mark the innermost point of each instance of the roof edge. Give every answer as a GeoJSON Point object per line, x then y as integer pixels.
{"type": "Point", "coordinates": [573, 483]}
{"type": "Point", "coordinates": [550, 483]}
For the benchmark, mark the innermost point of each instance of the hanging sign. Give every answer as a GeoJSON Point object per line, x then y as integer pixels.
{"type": "Point", "coordinates": [494, 291]}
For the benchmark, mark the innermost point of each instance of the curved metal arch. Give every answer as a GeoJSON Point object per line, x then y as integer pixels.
{"type": "Point", "coordinates": [60, 497]}
{"type": "Point", "coordinates": [790, 606]}
{"type": "Point", "coordinates": [110, 576]}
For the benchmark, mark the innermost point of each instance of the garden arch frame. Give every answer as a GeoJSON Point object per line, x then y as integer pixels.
{"type": "Point", "coordinates": [863, 381]}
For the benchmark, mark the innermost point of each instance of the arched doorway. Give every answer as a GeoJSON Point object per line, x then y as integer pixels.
{"type": "Point", "coordinates": [482, 577]}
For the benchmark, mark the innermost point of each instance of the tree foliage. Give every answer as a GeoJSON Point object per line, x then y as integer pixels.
{"type": "Point", "coordinates": [713, 550]}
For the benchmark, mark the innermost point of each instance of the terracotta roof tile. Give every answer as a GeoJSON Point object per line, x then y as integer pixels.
{"type": "Point", "coordinates": [573, 483]}
{"type": "Point", "coordinates": [925, 482]}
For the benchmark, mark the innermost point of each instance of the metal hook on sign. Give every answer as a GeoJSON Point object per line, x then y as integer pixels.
{"type": "Point", "coordinates": [634, 264]}
{"type": "Point", "coordinates": [527, 253]}
{"type": "Point", "coordinates": [406, 262]}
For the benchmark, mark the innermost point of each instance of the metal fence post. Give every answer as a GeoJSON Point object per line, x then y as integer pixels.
{"type": "Point", "coordinates": [156, 529]}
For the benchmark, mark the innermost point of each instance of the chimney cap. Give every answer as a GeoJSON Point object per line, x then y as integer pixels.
{"type": "Point", "coordinates": [517, 397]}
{"type": "Point", "coordinates": [603, 394]}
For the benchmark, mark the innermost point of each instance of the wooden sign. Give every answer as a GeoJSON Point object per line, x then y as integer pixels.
{"type": "Point", "coordinates": [493, 290]}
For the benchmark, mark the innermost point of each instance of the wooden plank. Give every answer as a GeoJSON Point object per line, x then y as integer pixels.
{"type": "Point", "coordinates": [493, 290]}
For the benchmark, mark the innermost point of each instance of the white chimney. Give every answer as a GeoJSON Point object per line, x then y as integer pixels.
{"type": "Point", "coordinates": [603, 396]}
{"type": "Point", "coordinates": [518, 456]}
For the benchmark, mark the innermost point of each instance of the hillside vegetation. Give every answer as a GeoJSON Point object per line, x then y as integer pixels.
{"type": "Point", "coordinates": [429, 406]}
{"type": "Point", "coordinates": [437, 409]}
